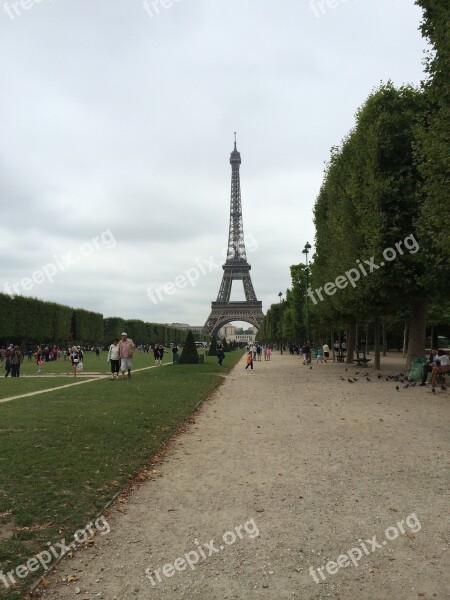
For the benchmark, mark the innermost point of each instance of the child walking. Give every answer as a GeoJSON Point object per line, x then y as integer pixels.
{"type": "Point", "coordinates": [249, 360]}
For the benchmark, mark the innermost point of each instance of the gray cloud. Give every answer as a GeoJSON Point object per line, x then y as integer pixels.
{"type": "Point", "coordinates": [115, 120]}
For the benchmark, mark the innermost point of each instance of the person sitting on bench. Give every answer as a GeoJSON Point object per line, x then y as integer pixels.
{"type": "Point", "coordinates": [428, 367]}
{"type": "Point", "coordinates": [444, 366]}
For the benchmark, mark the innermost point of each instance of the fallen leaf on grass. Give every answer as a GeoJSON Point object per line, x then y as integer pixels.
{"type": "Point", "coordinates": [70, 578]}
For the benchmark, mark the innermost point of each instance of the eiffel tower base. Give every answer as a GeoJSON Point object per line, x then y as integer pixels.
{"type": "Point", "coordinates": [226, 312]}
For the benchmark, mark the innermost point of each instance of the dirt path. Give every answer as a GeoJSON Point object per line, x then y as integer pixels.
{"type": "Point", "coordinates": [299, 468]}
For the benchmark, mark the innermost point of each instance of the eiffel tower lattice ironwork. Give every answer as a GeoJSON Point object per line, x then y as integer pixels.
{"type": "Point", "coordinates": [236, 267]}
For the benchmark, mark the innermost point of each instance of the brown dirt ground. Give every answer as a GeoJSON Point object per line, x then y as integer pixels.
{"type": "Point", "coordinates": [316, 466]}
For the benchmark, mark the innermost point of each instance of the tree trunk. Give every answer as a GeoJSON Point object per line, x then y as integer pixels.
{"type": "Point", "coordinates": [357, 348]}
{"type": "Point", "coordinates": [417, 331]}
{"type": "Point", "coordinates": [405, 338]}
{"type": "Point", "coordinates": [376, 343]}
{"type": "Point", "coordinates": [367, 340]}
{"type": "Point", "coordinates": [351, 340]}
{"type": "Point", "coordinates": [384, 340]}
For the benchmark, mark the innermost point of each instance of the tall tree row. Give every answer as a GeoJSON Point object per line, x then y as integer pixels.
{"type": "Point", "coordinates": [382, 252]}
{"type": "Point", "coordinates": [31, 321]}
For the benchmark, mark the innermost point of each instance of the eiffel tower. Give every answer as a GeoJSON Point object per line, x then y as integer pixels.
{"type": "Point", "coordinates": [235, 268]}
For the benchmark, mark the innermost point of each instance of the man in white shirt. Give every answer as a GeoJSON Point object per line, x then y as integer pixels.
{"type": "Point", "coordinates": [444, 366]}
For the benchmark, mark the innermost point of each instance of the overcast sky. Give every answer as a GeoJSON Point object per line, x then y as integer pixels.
{"type": "Point", "coordinates": [117, 124]}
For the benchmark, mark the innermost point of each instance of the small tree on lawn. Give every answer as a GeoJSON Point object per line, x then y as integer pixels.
{"type": "Point", "coordinates": [189, 356]}
{"type": "Point", "coordinates": [225, 345]}
{"type": "Point", "coordinates": [213, 347]}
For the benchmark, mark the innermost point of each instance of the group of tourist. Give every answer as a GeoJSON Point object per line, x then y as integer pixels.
{"type": "Point", "coordinates": [255, 351]}
{"type": "Point", "coordinates": [13, 357]}
{"type": "Point", "coordinates": [120, 355]}
{"type": "Point", "coordinates": [438, 364]}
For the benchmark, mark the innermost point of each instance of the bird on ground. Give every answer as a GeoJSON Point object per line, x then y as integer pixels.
{"type": "Point", "coordinates": [355, 379]}
{"type": "Point", "coordinates": [396, 387]}
{"type": "Point", "coordinates": [342, 378]}
{"type": "Point", "coordinates": [443, 387]}
{"type": "Point", "coordinates": [350, 381]}
{"type": "Point", "coordinates": [368, 379]}
{"type": "Point", "coordinates": [433, 390]}
{"type": "Point", "coordinates": [406, 386]}
{"type": "Point", "coordinates": [380, 376]}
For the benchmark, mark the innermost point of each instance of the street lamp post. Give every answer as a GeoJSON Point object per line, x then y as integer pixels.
{"type": "Point", "coordinates": [281, 325]}
{"type": "Point", "coordinates": [305, 251]}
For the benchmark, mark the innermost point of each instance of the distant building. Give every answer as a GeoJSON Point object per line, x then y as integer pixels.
{"type": "Point", "coordinates": [186, 327]}
{"type": "Point", "coordinates": [233, 334]}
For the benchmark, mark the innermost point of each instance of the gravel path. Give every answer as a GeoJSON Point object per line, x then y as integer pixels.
{"type": "Point", "coordinates": [285, 468]}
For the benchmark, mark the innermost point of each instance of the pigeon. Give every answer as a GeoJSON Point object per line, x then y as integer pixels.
{"type": "Point", "coordinates": [346, 370]}
{"type": "Point", "coordinates": [355, 379]}
{"type": "Point", "coordinates": [356, 372]}
{"type": "Point", "coordinates": [387, 379]}
{"type": "Point", "coordinates": [406, 386]}
{"type": "Point", "coordinates": [396, 387]}
{"type": "Point", "coordinates": [342, 378]}
{"type": "Point", "coordinates": [380, 376]}
{"type": "Point", "coordinates": [368, 379]}
{"type": "Point", "coordinates": [443, 387]}
{"type": "Point", "coordinates": [310, 368]}
{"type": "Point", "coordinates": [350, 381]}
{"type": "Point", "coordinates": [433, 390]}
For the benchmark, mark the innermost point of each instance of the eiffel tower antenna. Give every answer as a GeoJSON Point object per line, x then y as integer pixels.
{"type": "Point", "coordinates": [236, 266]}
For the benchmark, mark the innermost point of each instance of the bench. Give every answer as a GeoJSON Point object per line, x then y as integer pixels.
{"type": "Point", "coordinates": [361, 362]}
{"type": "Point", "coordinates": [340, 358]}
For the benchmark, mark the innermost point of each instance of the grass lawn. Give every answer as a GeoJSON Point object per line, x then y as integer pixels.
{"type": "Point", "coordinates": [65, 453]}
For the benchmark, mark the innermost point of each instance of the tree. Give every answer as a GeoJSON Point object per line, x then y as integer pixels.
{"type": "Point", "coordinates": [213, 347]}
{"type": "Point", "coordinates": [189, 355]}
{"type": "Point", "coordinates": [225, 345]}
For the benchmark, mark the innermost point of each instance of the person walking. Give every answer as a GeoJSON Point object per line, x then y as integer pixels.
{"type": "Point", "coordinates": [126, 349]}
{"type": "Point", "coordinates": [175, 354]}
{"type": "Point", "coordinates": [75, 358]}
{"type": "Point", "coordinates": [220, 355]}
{"type": "Point", "coordinates": [160, 354]}
{"type": "Point", "coordinates": [249, 361]}
{"type": "Point", "coordinates": [114, 358]}
{"type": "Point", "coordinates": [16, 361]}
{"type": "Point", "coordinates": [326, 352]}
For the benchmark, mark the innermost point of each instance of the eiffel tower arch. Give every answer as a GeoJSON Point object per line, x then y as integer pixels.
{"type": "Point", "coordinates": [236, 267]}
